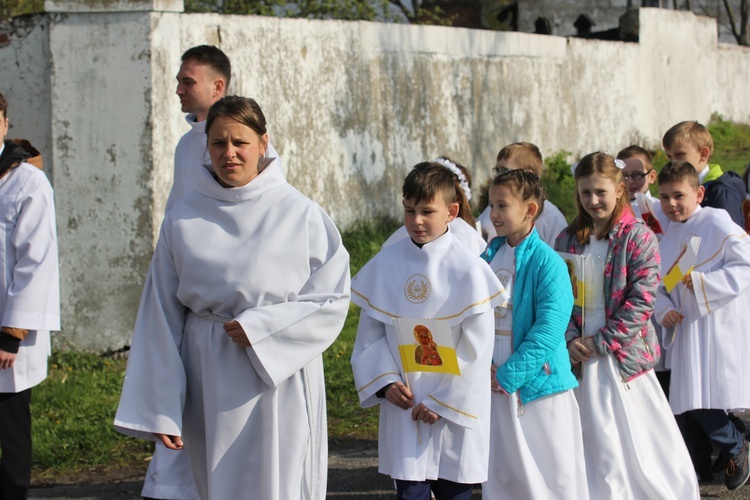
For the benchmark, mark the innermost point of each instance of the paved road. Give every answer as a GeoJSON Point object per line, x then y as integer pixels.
{"type": "Point", "coordinates": [352, 474]}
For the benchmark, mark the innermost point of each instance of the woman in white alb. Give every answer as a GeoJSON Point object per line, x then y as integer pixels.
{"type": "Point", "coordinates": [249, 284]}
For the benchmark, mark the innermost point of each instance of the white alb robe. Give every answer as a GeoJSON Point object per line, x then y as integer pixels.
{"type": "Point", "coordinates": [253, 420]}
{"type": "Point", "coordinates": [709, 355]}
{"type": "Point", "coordinates": [30, 279]}
{"type": "Point", "coordinates": [461, 229]}
{"type": "Point", "coordinates": [462, 290]}
{"type": "Point", "coordinates": [169, 474]}
{"type": "Point", "coordinates": [550, 223]}
{"type": "Point", "coordinates": [632, 445]}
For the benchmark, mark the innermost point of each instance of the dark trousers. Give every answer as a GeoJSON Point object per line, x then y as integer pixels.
{"type": "Point", "coordinates": [701, 428]}
{"type": "Point", "coordinates": [442, 488]}
{"type": "Point", "coordinates": [15, 443]}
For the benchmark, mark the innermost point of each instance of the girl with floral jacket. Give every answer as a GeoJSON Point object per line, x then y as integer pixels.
{"type": "Point", "coordinates": [625, 418]}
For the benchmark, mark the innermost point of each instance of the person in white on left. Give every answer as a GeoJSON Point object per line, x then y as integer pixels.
{"type": "Point", "coordinates": [248, 285]}
{"type": "Point", "coordinates": [30, 302]}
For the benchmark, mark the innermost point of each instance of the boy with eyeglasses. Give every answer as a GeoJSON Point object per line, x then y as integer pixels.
{"type": "Point", "coordinates": [639, 175]}
{"type": "Point", "coordinates": [526, 156]}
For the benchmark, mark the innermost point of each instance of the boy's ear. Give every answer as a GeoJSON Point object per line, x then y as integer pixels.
{"type": "Point", "coordinates": [701, 193]}
{"type": "Point", "coordinates": [705, 153]}
{"type": "Point", "coordinates": [651, 176]}
{"type": "Point", "coordinates": [452, 211]}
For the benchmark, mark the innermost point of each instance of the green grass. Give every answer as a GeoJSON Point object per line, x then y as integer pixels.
{"type": "Point", "coordinates": [72, 414]}
{"type": "Point", "coordinates": [346, 419]}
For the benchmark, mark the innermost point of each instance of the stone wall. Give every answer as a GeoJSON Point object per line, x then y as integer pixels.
{"type": "Point", "coordinates": [352, 106]}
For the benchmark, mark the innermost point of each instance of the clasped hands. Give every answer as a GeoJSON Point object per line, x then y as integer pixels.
{"type": "Point", "coordinates": [400, 395]}
{"type": "Point", "coordinates": [581, 350]}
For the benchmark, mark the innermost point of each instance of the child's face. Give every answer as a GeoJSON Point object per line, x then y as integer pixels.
{"type": "Point", "coordinates": [511, 216]}
{"type": "Point", "coordinates": [637, 177]}
{"type": "Point", "coordinates": [426, 221]}
{"type": "Point", "coordinates": [684, 151]}
{"type": "Point", "coordinates": [599, 197]}
{"type": "Point", "coordinates": [679, 200]}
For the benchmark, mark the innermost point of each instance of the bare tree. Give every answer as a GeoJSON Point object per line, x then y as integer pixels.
{"type": "Point", "coordinates": [739, 29]}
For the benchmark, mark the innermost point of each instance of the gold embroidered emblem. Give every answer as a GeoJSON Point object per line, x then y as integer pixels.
{"type": "Point", "coordinates": [417, 289]}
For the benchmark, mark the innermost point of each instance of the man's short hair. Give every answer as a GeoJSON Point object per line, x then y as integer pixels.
{"type": "Point", "coordinates": [523, 155]}
{"type": "Point", "coordinates": [213, 57]}
{"type": "Point", "coordinates": [3, 106]}
{"type": "Point", "coordinates": [690, 132]}
{"type": "Point", "coordinates": [679, 171]}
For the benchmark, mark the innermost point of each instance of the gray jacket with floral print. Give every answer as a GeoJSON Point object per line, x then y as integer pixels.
{"type": "Point", "coordinates": [631, 277]}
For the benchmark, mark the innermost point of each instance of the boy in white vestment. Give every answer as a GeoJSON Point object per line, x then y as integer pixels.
{"type": "Point", "coordinates": [434, 426]}
{"type": "Point", "coordinates": [526, 156]}
{"type": "Point", "coordinates": [703, 318]}
{"type": "Point", "coordinates": [30, 302]}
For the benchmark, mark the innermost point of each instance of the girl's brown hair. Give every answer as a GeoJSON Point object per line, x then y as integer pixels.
{"type": "Point", "coordinates": [240, 109]}
{"type": "Point", "coordinates": [525, 184]}
{"type": "Point", "coordinates": [464, 207]}
{"type": "Point", "coordinates": [600, 164]}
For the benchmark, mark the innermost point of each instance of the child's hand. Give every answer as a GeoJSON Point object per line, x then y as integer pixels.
{"type": "Point", "coordinates": [400, 395]}
{"type": "Point", "coordinates": [171, 442]}
{"type": "Point", "coordinates": [236, 333]}
{"type": "Point", "coordinates": [687, 280]}
{"type": "Point", "coordinates": [672, 318]}
{"type": "Point", "coordinates": [493, 380]}
{"type": "Point", "coordinates": [581, 350]}
{"type": "Point", "coordinates": [421, 412]}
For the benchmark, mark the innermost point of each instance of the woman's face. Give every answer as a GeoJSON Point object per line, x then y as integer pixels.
{"type": "Point", "coordinates": [235, 150]}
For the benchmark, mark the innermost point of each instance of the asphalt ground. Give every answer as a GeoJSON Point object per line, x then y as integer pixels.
{"type": "Point", "coordinates": [352, 474]}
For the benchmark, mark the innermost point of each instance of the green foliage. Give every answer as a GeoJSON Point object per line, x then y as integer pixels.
{"type": "Point", "coordinates": [72, 414]}
{"type": "Point", "coordinates": [559, 184]}
{"type": "Point", "coordinates": [351, 10]}
{"type": "Point", "coordinates": [11, 8]}
{"type": "Point", "coordinates": [731, 143]}
{"type": "Point", "coordinates": [364, 239]}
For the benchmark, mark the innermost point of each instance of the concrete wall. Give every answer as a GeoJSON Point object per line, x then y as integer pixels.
{"type": "Point", "coordinates": [352, 106]}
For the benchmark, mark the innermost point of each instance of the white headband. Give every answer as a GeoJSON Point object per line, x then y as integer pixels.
{"type": "Point", "coordinates": [457, 172]}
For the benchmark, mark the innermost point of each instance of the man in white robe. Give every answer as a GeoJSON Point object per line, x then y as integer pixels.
{"type": "Point", "coordinates": [202, 80]}
{"type": "Point", "coordinates": [708, 347]}
{"type": "Point", "coordinates": [29, 304]}
{"type": "Point", "coordinates": [253, 419]}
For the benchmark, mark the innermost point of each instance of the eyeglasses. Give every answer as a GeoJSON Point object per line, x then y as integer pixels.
{"type": "Point", "coordinates": [638, 176]}
{"type": "Point", "coordinates": [499, 170]}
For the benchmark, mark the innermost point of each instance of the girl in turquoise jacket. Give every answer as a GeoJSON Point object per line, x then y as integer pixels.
{"type": "Point", "coordinates": [536, 446]}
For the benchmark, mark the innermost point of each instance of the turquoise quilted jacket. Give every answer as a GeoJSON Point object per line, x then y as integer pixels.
{"type": "Point", "coordinates": [542, 304]}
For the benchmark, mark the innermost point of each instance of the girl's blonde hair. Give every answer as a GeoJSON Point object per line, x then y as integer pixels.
{"type": "Point", "coordinates": [600, 164]}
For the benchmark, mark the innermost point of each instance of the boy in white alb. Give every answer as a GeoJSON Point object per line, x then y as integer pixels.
{"type": "Point", "coordinates": [703, 319]}
{"type": "Point", "coordinates": [434, 426]}
{"type": "Point", "coordinates": [526, 156]}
